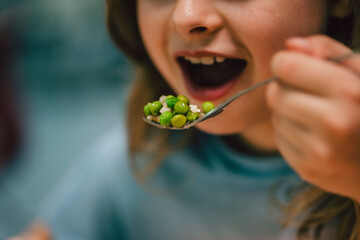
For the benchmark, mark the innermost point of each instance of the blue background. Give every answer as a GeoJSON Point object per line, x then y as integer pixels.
{"type": "Point", "coordinates": [70, 82]}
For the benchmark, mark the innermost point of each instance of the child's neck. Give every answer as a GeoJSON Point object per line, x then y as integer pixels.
{"type": "Point", "coordinates": [257, 141]}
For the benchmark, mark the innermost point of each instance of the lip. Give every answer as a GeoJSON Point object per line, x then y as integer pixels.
{"type": "Point", "coordinates": [207, 94]}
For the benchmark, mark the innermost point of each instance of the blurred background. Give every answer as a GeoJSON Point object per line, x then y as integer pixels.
{"type": "Point", "coordinates": [62, 83]}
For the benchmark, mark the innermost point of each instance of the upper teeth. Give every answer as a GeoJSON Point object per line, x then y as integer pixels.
{"type": "Point", "coordinates": [205, 60]}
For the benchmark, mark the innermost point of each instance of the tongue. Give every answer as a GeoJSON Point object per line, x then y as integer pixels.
{"type": "Point", "coordinates": [216, 74]}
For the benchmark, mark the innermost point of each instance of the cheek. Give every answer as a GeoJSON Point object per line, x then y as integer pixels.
{"type": "Point", "coordinates": [155, 30]}
{"type": "Point", "coordinates": [150, 35]}
{"type": "Point", "coordinates": [296, 17]}
{"type": "Point", "coordinates": [264, 27]}
{"type": "Point", "coordinates": [153, 26]}
{"type": "Point", "coordinates": [278, 20]}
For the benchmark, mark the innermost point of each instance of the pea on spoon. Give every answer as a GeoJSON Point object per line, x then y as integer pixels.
{"type": "Point", "coordinates": [216, 111]}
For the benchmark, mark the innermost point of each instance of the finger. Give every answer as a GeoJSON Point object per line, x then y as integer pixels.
{"type": "Point", "coordinates": [288, 151]}
{"type": "Point", "coordinates": [324, 47]}
{"type": "Point", "coordinates": [305, 109]}
{"type": "Point", "coordinates": [332, 121]}
{"type": "Point", "coordinates": [313, 75]}
{"type": "Point", "coordinates": [307, 142]}
{"type": "Point", "coordinates": [295, 156]}
{"type": "Point", "coordinates": [297, 134]}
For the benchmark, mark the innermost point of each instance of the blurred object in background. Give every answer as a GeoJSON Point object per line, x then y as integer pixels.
{"type": "Point", "coordinates": [68, 86]}
{"type": "Point", "coordinates": [9, 109]}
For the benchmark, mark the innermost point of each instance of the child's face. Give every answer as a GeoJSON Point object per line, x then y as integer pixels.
{"type": "Point", "coordinates": [248, 30]}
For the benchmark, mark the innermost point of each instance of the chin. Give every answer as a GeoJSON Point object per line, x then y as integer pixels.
{"type": "Point", "coordinates": [231, 122]}
{"type": "Point", "coordinates": [213, 126]}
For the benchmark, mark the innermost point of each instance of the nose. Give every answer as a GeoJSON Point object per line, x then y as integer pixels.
{"type": "Point", "coordinates": [193, 17]}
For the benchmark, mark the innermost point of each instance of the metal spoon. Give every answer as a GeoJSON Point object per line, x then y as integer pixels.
{"type": "Point", "coordinates": [220, 108]}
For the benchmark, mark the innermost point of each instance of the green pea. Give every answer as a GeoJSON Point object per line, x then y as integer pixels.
{"type": "Point", "coordinates": [155, 107]}
{"type": "Point", "coordinates": [170, 102]}
{"type": "Point", "coordinates": [207, 107]}
{"type": "Point", "coordinates": [181, 107]}
{"type": "Point", "coordinates": [147, 110]}
{"type": "Point", "coordinates": [191, 116]}
{"type": "Point", "coordinates": [165, 119]}
{"type": "Point", "coordinates": [183, 98]}
{"type": "Point", "coordinates": [178, 120]}
{"type": "Point", "coordinates": [168, 96]}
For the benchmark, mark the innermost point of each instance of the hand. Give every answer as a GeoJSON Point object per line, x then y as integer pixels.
{"type": "Point", "coordinates": [37, 231]}
{"type": "Point", "coordinates": [316, 106]}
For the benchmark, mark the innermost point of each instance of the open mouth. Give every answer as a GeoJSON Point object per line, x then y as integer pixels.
{"type": "Point", "coordinates": [211, 72]}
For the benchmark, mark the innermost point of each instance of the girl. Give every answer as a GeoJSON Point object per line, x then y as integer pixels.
{"type": "Point", "coordinates": [295, 140]}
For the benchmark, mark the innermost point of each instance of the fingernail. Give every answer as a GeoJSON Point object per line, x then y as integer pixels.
{"type": "Point", "coordinates": [299, 43]}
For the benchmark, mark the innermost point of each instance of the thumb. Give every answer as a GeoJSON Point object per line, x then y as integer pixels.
{"type": "Point", "coordinates": [324, 47]}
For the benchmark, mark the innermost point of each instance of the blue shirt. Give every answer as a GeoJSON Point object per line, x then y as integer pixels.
{"type": "Point", "coordinates": [204, 191]}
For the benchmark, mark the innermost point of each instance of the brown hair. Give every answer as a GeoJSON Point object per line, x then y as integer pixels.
{"type": "Point", "coordinates": [10, 135]}
{"type": "Point", "coordinates": [149, 85]}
